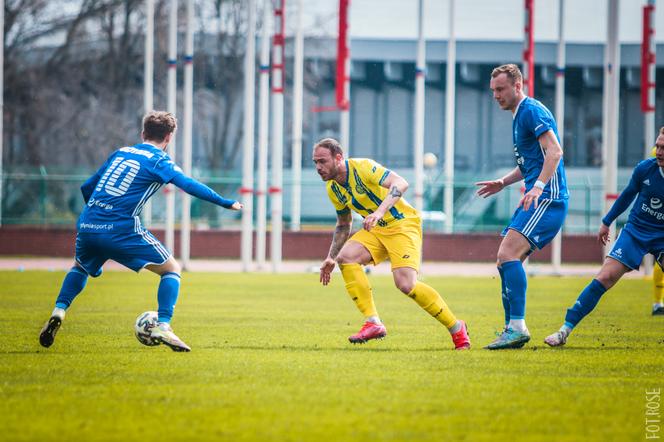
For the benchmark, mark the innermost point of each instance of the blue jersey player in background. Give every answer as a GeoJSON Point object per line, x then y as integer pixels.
{"type": "Point", "coordinates": [109, 226]}
{"type": "Point", "coordinates": [542, 210]}
{"type": "Point", "coordinates": [643, 234]}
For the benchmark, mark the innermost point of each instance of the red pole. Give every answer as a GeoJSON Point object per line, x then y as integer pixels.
{"type": "Point", "coordinates": [278, 42]}
{"type": "Point", "coordinates": [342, 101]}
{"type": "Point", "coordinates": [647, 59]}
{"type": "Point", "coordinates": [529, 50]}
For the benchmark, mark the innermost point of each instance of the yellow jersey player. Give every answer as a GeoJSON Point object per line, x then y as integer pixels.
{"type": "Point", "coordinates": [392, 229]}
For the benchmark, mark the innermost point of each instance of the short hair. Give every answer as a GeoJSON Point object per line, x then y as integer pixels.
{"type": "Point", "coordinates": [330, 144]}
{"type": "Point", "coordinates": [661, 130]}
{"type": "Point", "coordinates": [511, 70]}
{"type": "Point", "coordinates": [158, 124]}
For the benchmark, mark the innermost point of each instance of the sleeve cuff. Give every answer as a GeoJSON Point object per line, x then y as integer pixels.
{"type": "Point", "coordinates": [387, 172]}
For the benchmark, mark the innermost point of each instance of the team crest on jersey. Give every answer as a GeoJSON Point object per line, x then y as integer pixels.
{"type": "Point", "coordinates": [360, 189]}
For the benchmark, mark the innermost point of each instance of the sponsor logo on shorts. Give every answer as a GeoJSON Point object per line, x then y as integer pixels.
{"type": "Point", "coordinates": [95, 226]}
{"type": "Point", "coordinates": [617, 252]}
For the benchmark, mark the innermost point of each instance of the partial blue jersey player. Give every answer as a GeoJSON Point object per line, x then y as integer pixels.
{"type": "Point", "coordinates": [109, 226]}
{"type": "Point", "coordinates": [644, 231]}
{"type": "Point", "coordinates": [643, 234]}
{"type": "Point", "coordinates": [543, 207]}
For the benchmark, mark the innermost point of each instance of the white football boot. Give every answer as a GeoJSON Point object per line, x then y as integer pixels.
{"type": "Point", "coordinates": [557, 339]}
{"type": "Point", "coordinates": [164, 334]}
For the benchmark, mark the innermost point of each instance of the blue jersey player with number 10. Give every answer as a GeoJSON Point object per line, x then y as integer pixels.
{"type": "Point", "coordinates": [541, 211]}
{"type": "Point", "coordinates": [110, 228]}
{"type": "Point", "coordinates": [643, 234]}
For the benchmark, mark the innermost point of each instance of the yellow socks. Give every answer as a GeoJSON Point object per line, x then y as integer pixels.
{"type": "Point", "coordinates": [658, 284]}
{"type": "Point", "coordinates": [428, 298]}
{"type": "Point", "coordinates": [359, 289]}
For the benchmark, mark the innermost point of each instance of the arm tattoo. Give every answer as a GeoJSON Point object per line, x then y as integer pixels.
{"type": "Point", "coordinates": [395, 192]}
{"type": "Point", "coordinates": [341, 234]}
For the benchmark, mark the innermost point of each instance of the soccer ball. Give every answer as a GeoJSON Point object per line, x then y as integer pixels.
{"type": "Point", "coordinates": [144, 323]}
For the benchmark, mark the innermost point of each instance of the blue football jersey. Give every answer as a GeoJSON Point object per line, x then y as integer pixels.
{"type": "Point", "coordinates": [531, 120]}
{"type": "Point", "coordinates": [117, 192]}
{"type": "Point", "coordinates": [647, 185]}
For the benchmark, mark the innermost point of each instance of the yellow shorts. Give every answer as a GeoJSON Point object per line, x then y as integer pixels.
{"type": "Point", "coordinates": [401, 243]}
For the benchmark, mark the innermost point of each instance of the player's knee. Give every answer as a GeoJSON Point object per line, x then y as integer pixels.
{"type": "Point", "coordinates": [170, 266]}
{"type": "Point", "coordinates": [405, 285]}
{"type": "Point", "coordinates": [607, 278]}
{"type": "Point", "coordinates": [345, 258]}
{"type": "Point", "coordinates": [503, 257]}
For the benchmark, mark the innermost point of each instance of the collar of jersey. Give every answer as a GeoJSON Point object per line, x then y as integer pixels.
{"type": "Point", "coordinates": [518, 106]}
{"type": "Point", "coordinates": [347, 174]}
{"type": "Point", "coordinates": [144, 144]}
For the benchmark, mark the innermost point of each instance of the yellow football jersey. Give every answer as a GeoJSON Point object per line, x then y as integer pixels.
{"type": "Point", "coordinates": [363, 193]}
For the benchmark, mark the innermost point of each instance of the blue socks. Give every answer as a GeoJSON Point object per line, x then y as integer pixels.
{"type": "Point", "coordinates": [585, 303]}
{"type": "Point", "coordinates": [506, 300]}
{"type": "Point", "coordinates": [514, 279]}
{"type": "Point", "coordinates": [73, 284]}
{"type": "Point", "coordinates": [167, 295]}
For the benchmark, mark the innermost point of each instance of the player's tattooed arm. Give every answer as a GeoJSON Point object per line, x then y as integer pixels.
{"type": "Point", "coordinates": [395, 192]}
{"type": "Point", "coordinates": [397, 187]}
{"type": "Point", "coordinates": [341, 234]}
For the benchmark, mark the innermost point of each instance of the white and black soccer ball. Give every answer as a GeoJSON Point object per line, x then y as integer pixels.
{"type": "Point", "coordinates": [143, 326]}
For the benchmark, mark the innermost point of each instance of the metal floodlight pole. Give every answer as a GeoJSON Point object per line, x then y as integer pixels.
{"type": "Point", "coordinates": [418, 138]}
{"type": "Point", "coordinates": [450, 114]}
{"type": "Point", "coordinates": [148, 83]}
{"type": "Point", "coordinates": [556, 245]}
{"type": "Point", "coordinates": [648, 51]}
{"type": "Point", "coordinates": [529, 49]}
{"type": "Point", "coordinates": [276, 189]}
{"type": "Point", "coordinates": [172, 108]}
{"type": "Point", "coordinates": [610, 105]}
{"type": "Point", "coordinates": [263, 129]}
{"type": "Point", "coordinates": [247, 190]}
{"type": "Point", "coordinates": [343, 76]}
{"type": "Point", "coordinates": [187, 134]}
{"type": "Point", "coordinates": [648, 81]}
{"type": "Point", "coordinates": [2, 101]}
{"type": "Point", "coordinates": [296, 148]}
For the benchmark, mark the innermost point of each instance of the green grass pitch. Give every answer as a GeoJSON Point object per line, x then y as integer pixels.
{"type": "Point", "coordinates": [271, 362]}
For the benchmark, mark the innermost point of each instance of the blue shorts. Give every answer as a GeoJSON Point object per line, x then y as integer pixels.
{"type": "Point", "coordinates": [540, 225]}
{"type": "Point", "coordinates": [633, 244]}
{"type": "Point", "coordinates": [132, 250]}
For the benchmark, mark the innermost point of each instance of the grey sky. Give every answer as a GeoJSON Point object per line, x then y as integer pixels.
{"type": "Point", "coordinates": [585, 20]}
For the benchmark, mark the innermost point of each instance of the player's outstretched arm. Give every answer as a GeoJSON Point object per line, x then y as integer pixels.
{"type": "Point", "coordinates": [200, 190]}
{"type": "Point", "coordinates": [397, 186]}
{"type": "Point", "coordinates": [623, 201]}
{"type": "Point", "coordinates": [488, 188]}
{"type": "Point", "coordinates": [339, 238]}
